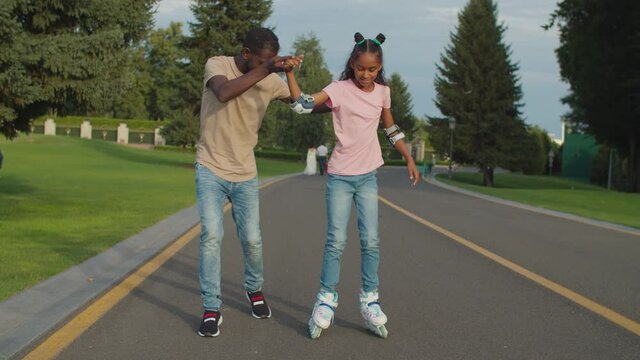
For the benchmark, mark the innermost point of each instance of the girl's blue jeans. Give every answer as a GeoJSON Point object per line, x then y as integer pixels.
{"type": "Point", "coordinates": [211, 193]}
{"type": "Point", "coordinates": [341, 192]}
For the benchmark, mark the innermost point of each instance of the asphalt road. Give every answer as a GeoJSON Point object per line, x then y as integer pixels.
{"type": "Point", "coordinates": [443, 300]}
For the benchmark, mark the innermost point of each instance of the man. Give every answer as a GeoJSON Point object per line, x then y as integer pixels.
{"type": "Point", "coordinates": [322, 158]}
{"type": "Point", "coordinates": [237, 91]}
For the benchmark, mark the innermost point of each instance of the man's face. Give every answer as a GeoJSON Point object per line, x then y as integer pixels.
{"type": "Point", "coordinates": [255, 60]}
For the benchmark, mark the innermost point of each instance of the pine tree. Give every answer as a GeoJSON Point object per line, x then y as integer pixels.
{"type": "Point", "coordinates": [167, 69]}
{"type": "Point", "coordinates": [401, 103]}
{"type": "Point", "coordinates": [221, 25]}
{"type": "Point", "coordinates": [68, 57]}
{"type": "Point", "coordinates": [219, 28]}
{"type": "Point", "coordinates": [477, 85]}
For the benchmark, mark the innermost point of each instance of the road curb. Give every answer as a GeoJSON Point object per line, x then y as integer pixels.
{"type": "Point", "coordinates": [31, 315]}
{"type": "Point", "coordinates": [539, 210]}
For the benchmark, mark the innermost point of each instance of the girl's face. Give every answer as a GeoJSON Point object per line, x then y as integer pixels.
{"type": "Point", "coordinates": [366, 68]}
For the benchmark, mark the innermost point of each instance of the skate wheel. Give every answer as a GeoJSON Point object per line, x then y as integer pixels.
{"type": "Point", "coordinates": [382, 332]}
{"type": "Point", "coordinates": [314, 331]}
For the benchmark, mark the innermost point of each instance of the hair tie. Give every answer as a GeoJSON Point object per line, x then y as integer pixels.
{"type": "Point", "coordinates": [376, 41]}
{"type": "Point", "coordinates": [361, 41]}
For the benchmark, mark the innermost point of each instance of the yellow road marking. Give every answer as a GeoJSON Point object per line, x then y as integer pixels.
{"type": "Point", "coordinates": [587, 303]}
{"type": "Point", "coordinates": [62, 338]}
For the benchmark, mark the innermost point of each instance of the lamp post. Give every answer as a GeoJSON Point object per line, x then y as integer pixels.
{"type": "Point", "coordinates": [550, 162]}
{"type": "Point", "coordinates": [452, 125]}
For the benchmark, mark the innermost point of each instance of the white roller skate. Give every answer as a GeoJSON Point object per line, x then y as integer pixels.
{"type": "Point", "coordinates": [374, 318]}
{"type": "Point", "coordinates": [322, 315]}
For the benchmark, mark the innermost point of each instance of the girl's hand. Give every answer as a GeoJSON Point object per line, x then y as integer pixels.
{"type": "Point", "coordinates": [414, 175]}
{"type": "Point", "coordinates": [292, 62]}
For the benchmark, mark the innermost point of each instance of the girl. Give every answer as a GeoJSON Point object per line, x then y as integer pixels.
{"type": "Point", "coordinates": [358, 101]}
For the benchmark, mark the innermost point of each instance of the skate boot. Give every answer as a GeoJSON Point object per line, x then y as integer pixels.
{"type": "Point", "coordinates": [322, 315]}
{"type": "Point", "coordinates": [374, 318]}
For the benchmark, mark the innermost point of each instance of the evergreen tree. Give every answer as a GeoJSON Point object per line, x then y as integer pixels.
{"type": "Point", "coordinates": [65, 56]}
{"type": "Point", "coordinates": [183, 130]}
{"type": "Point", "coordinates": [219, 28]}
{"type": "Point", "coordinates": [477, 85]}
{"type": "Point", "coordinates": [132, 103]}
{"type": "Point", "coordinates": [536, 146]}
{"type": "Point", "coordinates": [401, 104]}
{"type": "Point", "coordinates": [221, 25]}
{"type": "Point", "coordinates": [170, 81]}
{"type": "Point", "coordinates": [599, 55]}
{"type": "Point", "coordinates": [297, 131]}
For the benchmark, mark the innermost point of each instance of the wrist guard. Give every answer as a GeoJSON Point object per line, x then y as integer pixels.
{"type": "Point", "coordinates": [394, 133]}
{"type": "Point", "coordinates": [303, 105]}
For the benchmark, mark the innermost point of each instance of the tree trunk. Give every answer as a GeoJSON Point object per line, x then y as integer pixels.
{"type": "Point", "coordinates": [488, 176]}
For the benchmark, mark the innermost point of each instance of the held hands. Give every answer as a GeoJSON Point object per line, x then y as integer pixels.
{"type": "Point", "coordinates": [414, 175]}
{"type": "Point", "coordinates": [285, 63]}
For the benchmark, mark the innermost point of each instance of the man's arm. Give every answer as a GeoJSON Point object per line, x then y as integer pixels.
{"type": "Point", "coordinates": [226, 89]}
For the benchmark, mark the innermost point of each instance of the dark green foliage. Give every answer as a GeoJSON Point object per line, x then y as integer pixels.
{"type": "Point", "coordinates": [599, 55]}
{"type": "Point", "coordinates": [477, 85]}
{"type": "Point", "coordinates": [282, 155]}
{"type": "Point", "coordinates": [401, 104]}
{"type": "Point", "coordinates": [182, 130]}
{"type": "Point", "coordinates": [65, 56]}
{"type": "Point", "coordinates": [170, 83]}
{"type": "Point", "coordinates": [220, 26]}
{"type": "Point", "coordinates": [219, 29]}
{"type": "Point", "coordinates": [535, 151]}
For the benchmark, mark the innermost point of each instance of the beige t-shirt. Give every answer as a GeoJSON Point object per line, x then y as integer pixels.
{"type": "Point", "coordinates": [229, 131]}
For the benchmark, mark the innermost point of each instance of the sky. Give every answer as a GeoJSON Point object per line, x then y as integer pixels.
{"type": "Point", "coordinates": [417, 33]}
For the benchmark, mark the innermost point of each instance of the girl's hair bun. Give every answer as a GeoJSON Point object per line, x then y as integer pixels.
{"type": "Point", "coordinates": [358, 37]}
{"type": "Point", "coordinates": [381, 38]}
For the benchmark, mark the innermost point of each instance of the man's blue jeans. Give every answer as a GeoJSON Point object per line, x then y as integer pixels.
{"type": "Point", "coordinates": [341, 192]}
{"type": "Point", "coordinates": [211, 193]}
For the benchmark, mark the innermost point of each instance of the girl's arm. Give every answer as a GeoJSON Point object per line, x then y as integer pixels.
{"type": "Point", "coordinates": [414, 175]}
{"type": "Point", "coordinates": [319, 98]}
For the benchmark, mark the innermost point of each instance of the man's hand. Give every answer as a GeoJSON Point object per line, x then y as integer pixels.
{"type": "Point", "coordinates": [284, 63]}
{"type": "Point", "coordinates": [292, 62]}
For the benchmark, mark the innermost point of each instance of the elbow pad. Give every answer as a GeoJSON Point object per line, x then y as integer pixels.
{"type": "Point", "coordinates": [394, 133]}
{"type": "Point", "coordinates": [303, 105]}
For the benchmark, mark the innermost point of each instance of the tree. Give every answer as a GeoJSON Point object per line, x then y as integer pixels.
{"type": "Point", "coordinates": [183, 130]}
{"type": "Point", "coordinates": [535, 154]}
{"type": "Point", "coordinates": [401, 104]}
{"type": "Point", "coordinates": [65, 56]}
{"type": "Point", "coordinates": [297, 131]}
{"type": "Point", "coordinates": [477, 85]}
{"type": "Point", "coordinates": [599, 55]}
{"type": "Point", "coordinates": [221, 26]}
{"type": "Point", "coordinates": [132, 103]}
{"type": "Point", "coordinates": [219, 29]}
{"type": "Point", "coordinates": [167, 66]}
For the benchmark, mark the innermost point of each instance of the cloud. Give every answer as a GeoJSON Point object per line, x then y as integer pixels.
{"type": "Point", "coordinates": [447, 14]}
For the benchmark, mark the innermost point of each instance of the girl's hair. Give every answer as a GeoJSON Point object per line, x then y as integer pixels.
{"type": "Point", "coordinates": [365, 46]}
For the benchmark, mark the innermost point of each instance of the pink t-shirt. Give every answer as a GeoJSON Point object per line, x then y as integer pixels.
{"type": "Point", "coordinates": [356, 115]}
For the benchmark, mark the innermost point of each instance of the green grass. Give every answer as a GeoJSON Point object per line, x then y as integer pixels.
{"type": "Point", "coordinates": [557, 194]}
{"type": "Point", "coordinates": [63, 200]}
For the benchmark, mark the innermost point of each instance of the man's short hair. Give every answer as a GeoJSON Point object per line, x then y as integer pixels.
{"type": "Point", "coordinates": [261, 38]}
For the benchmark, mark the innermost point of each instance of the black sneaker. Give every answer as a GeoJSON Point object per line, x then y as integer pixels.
{"type": "Point", "coordinates": [211, 320]}
{"type": "Point", "coordinates": [259, 307]}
